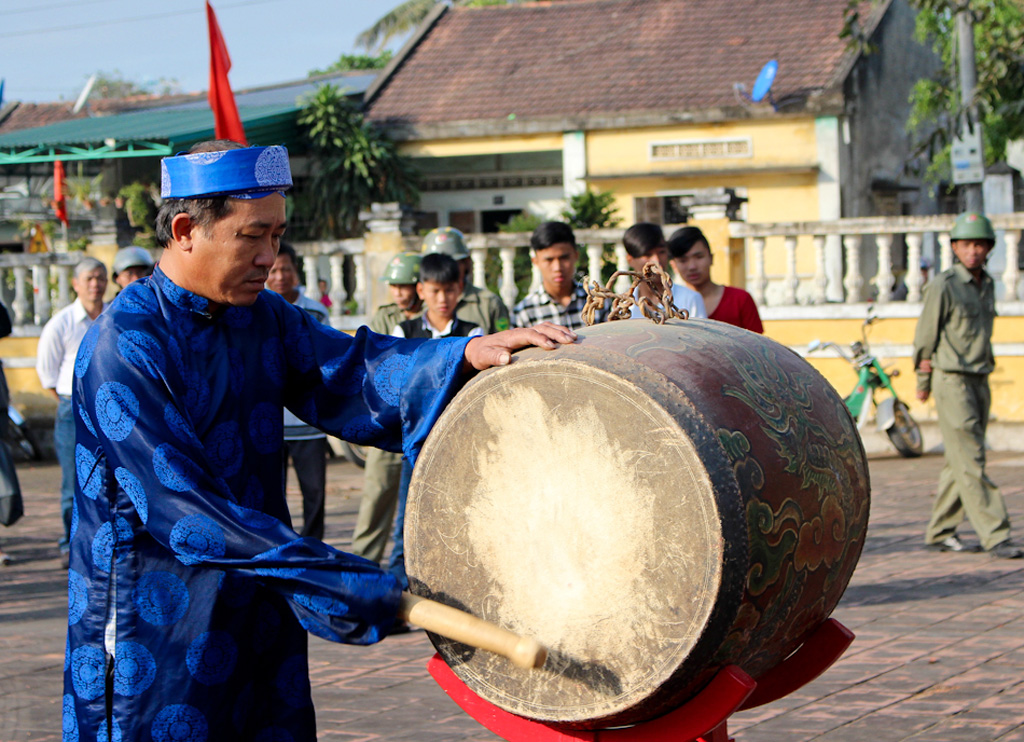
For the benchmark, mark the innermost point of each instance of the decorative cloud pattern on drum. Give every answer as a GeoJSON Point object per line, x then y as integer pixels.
{"type": "Point", "coordinates": [180, 505]}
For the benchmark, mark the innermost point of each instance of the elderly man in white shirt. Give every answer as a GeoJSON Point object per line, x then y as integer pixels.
{"type": "Point", "coordinates": [55, 364]}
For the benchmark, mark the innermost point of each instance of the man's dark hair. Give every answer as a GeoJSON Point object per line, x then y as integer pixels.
{"type": "Point", "coordinates": [641, 238]}
{"type": "Point", "coordinates": [551, 233]}
{"type": "Point", "coordinates": [683, 239]}
{"type": "Point", "coordinates": [439, 268]}
{"type": "Point", "coordinates": [202, 211]}
{"type": "Point", "coordinates": [288, 250]}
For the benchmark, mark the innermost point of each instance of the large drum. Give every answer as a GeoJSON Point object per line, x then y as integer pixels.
{"type": "Point", "coordinates": [651, 503]}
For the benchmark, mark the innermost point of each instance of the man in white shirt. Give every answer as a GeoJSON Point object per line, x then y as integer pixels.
{"type": "Point", "coordinates": [305, 445]}
{"type": "Point", "coordinates": [645, 243]}
{"type": "Point", "coordinates": [55, 364]}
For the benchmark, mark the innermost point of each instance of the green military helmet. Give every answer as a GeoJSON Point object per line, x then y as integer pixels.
{"type": "Point", "coordinates": [446, 240]}
{"type": "Point", "coordinates": [972, 226]}
{"type": "Point", "coordinates": [403, 268]}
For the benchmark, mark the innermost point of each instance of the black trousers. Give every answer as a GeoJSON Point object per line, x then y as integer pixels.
{"type": "Point", "coordinates": [310, 461]}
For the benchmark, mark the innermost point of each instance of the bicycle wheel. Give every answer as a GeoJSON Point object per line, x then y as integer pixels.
{"type": "Point", "coordinates": [354, 453]}
{"type": "Point", "coordinates": [905, 433]}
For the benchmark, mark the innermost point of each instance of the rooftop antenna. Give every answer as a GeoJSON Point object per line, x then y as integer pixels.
{"type": "Point", "coordinates": [762, 86]}
{"type": "Point", "coordinates": [84, 95]}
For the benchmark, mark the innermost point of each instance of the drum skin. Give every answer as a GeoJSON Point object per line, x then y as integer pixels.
{"type": "Point", "coordinates": [651, 503]}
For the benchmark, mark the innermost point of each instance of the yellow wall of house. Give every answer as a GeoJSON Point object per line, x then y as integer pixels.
{"type": "Point", "coordinates": [1007, 381]}
{"type": "Point", "coordinates": [481, 146]}
{"type": "Point", "coordinates": [785, 142]}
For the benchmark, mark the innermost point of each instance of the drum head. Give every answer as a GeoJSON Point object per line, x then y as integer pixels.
{"type": "Point", "coordinates": [569, 501]}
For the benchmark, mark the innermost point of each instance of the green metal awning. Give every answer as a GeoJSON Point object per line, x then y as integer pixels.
{"type": "Point", "coordinates": [155, 133]}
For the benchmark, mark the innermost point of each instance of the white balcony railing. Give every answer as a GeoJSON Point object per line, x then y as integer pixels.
{"type": "Point", "coordinates": [853, 260]}
{"type": "Point", "coordinates": [788, 266]}
{"type": "Point", "coordinates": [35, 286]}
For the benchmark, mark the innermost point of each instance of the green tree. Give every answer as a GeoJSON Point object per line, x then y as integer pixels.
{"type": "Point", "coordinates": [113, 85]}
{"type": "Point", "coordinates": [937, 108]}
{"type": "Point", "coordinates": [353, 165]}
{"type": "Point", "coordinates": [355, 62]}
{"type": "Point", "coordinates": [592, 210]}
{"type": "Point", "coordinates": [936, 105]}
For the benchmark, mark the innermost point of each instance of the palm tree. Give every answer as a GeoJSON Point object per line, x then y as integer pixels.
{"type": "Point", "coordinates": [402, 19]}
{"type": "Point", "coordinates": [406, 17]}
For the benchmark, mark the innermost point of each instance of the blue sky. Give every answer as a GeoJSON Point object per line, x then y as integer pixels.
{"type": "Point", "coordinates": [48, 48]}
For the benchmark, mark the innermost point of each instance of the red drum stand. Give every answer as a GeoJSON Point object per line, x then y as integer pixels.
{"type": "Point", "coordinates": [703, 718]}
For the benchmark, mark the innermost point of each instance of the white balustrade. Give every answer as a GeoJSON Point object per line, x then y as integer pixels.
{"type": "Point", "coordinates": [913, 279]}
{"type": "Point", "coordinates": [20, 303]}
{"type": "Point", "coordinates": [312, 272]}
{"type": "Point", "coordinates": [1011, 276]}
{"type": "Point", "coordinates": [623, 283]}
{"type": "Point", "coordinates": [337, 291]}
{"type": "Point", "coordinates": [41, 303]}
{"type": "Point", "coordinates": [832, 272]}
{"type": "Point", "coordinates": [509, 291]}
{"type": "Point", "coordinates": [595, 259]}
{"type": "Point", "coordinates": [759, 284]}
{"type": "Point", "coordinates": [820, 293]}
{"type": "Point", "coordinates": [884, 277]}
{"type": "Point", "coordinates": [479, 257]}
{"type": "Point", "coordinates": [945, 252]}
{"type": "Point", "coordinates": [792, 281]}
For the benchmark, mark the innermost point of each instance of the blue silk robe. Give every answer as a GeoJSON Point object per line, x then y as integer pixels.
{"type": "Point", "coordinates": [184, 564]}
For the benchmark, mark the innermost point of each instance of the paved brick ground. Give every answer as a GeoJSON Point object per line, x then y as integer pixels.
{"type": "Point", "coordinates": [939, 654]}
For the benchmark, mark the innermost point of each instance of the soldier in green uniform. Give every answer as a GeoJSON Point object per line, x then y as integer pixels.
{"type": "Point", "coordinates": [477, 305]}
{"type": "Point", "coordinates": [383, 468]}
{"type": "Point", "coordinates": [953, 358]}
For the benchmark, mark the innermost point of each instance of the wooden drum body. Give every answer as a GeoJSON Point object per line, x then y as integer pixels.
{"type": "Point", "coordinates": [651, 503]}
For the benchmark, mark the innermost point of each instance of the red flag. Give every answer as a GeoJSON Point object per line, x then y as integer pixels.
{"type": "Point", "coordinates": [59, 202]}
{"type": "Point", "coordinates": [227, 124]}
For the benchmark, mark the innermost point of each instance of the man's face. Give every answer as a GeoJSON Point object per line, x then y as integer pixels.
{"type": "Point", "coordinates": [695, 265]}
{"type": "Point", "coordinates": [230, 261]}
{"type": "Point", "coordinates": [440, 298]}
{"type": "Point", "coordinates": [557, 265]}
{"type": "Point", "coordinates": [972, 253]}
{"type": "Point", "coordinates": [284, 278]}
{"type": "Point", "coordinates": [90, 285]}
{"type": "Point", "coordinates": [132, 274]}
{"type": "Point", "coordinates": [405, 295]}
{"type": "Point", "coordinates": [657, 255]}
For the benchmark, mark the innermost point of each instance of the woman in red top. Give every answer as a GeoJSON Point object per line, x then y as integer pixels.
{"type": "Point", "coordinates": [692, 258]}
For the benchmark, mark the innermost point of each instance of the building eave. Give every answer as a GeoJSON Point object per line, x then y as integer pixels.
{"type": "Point", "coordinates": [822, 103]}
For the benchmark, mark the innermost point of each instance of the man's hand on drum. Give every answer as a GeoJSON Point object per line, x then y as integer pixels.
{"type": "Point", "coordinates": [496, 350]}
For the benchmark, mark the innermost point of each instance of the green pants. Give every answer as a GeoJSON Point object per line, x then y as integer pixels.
{"type": "Point", "coordinates": [962, 401]}
{"type": "Point", "coordinates": [377, 506]}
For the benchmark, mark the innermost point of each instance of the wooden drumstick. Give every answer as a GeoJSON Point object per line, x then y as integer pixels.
{"type": "Point", "coordinates": [523, 651]}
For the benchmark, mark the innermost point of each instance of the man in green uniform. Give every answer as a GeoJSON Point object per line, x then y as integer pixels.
{"type": "Point", "coordinates": [953, 358]}
{"type": "Point", "coordinates": [477, 305]}
{"type": "Point", "coordinates": [383, 468]}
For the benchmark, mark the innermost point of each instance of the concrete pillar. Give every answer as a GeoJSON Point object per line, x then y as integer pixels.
{"type": "Point", "coordinates": [382, 240]}
{"type": "Point", "coordinates": [574, 163]}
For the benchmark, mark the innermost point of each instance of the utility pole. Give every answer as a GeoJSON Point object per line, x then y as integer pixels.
{"type": "Point", "coordinates": [969, 120]}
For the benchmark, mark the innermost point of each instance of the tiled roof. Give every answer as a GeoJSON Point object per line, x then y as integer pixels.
{"type": "Point", "coordinates": [31, 115]}
{"type": "Point", "coordinates": [589, 57]}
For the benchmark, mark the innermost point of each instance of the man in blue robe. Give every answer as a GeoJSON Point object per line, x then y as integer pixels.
{"type": "Point", "coordinates": [190, 596]}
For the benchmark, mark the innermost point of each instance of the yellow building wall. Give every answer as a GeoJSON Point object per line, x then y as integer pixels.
{"type": "Point", "coordinates": [785, 142]}
{"type": "Point", "coordinates": [772, 196]}
{"type": "Point", "coordinates": [1006, 382]}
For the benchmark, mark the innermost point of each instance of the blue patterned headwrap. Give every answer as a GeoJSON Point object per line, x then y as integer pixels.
{"type": "Point", "coordinates": [253, 172]}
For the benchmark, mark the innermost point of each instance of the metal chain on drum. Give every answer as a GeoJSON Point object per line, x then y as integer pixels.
{"type": "Point", "coordinates": [652, 275]}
